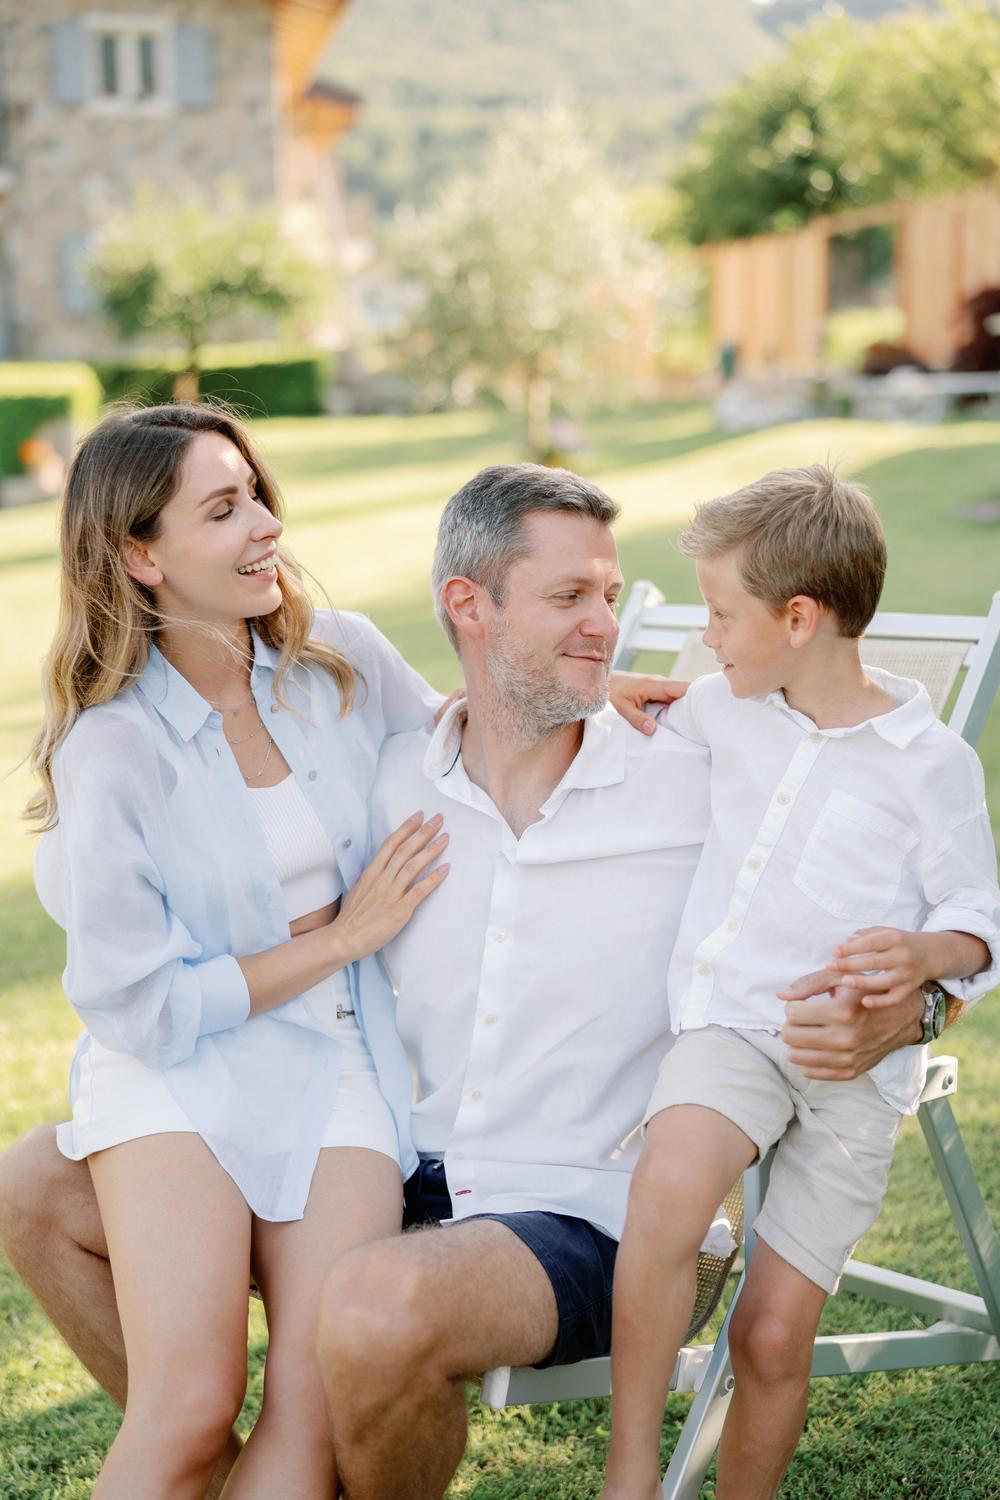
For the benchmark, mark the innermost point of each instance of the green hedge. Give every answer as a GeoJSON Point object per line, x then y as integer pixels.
{"type": "Point", "coordinates": [32, 394]}
{"type": "Point", "coordinates": [289, 384]}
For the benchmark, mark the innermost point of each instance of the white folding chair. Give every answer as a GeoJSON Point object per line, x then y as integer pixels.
{"type": "Point", "coordinates": [935, 649]}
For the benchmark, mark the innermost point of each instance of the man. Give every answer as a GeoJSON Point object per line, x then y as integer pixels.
{"type": "Point", "coordinates": [531, 990]}
{"type": "Point", "coordinates": [531, 1000]}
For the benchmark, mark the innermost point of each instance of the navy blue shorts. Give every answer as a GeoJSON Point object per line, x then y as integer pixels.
{"type": "Point", "coordinates": [578, 1259]}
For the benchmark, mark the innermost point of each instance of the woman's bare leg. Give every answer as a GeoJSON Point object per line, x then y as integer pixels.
{"type": "Point", "coordinates": [178, 1236]}
{"type": "Point", "coordinates": [356, 1196]}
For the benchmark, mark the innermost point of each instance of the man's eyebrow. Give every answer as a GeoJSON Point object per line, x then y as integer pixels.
{"type": "Point", "coordinates": [580, 583]}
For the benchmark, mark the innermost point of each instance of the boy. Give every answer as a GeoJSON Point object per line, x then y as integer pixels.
{"type": "Point", "coordinates": [837, 799]}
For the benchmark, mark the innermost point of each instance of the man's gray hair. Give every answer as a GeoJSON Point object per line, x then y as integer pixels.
{"type": "Point", "coordinates": [481, 536]}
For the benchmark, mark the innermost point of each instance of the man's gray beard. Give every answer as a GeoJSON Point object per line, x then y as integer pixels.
{"type": "Point", "coordinates": [528, 701]}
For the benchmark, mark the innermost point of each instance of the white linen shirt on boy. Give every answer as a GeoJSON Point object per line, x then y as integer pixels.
{"type": "Point", "coordinates": [532, 986]}
{"type": "Point", "coordinates": [817, 832]}
{"type": "Point", "coordinates": [159, 873]}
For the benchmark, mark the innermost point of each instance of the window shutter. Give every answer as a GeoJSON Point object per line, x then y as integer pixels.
{"type": "Point", "coordinates": [195, 66]}
{"type": "Point", "coordinates": [69, 63]}
{"type": "Point", "coordinates": [77, 294]}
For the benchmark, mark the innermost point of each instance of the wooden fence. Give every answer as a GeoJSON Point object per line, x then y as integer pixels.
{"type": "Point", "coordinates": [770, 293]}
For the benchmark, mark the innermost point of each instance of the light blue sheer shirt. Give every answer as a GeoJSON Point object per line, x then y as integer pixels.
{"type": "Point", "coordinates": [159, 874]}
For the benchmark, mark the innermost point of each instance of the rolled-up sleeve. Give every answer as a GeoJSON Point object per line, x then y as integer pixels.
{"type": "Point", "coordinates": [960, 884]}
{"type": "Point", "coordinates": [135, 975]}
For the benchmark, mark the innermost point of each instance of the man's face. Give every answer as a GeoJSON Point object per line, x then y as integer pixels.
{"type": "Point", "coordinates": [549, 644]}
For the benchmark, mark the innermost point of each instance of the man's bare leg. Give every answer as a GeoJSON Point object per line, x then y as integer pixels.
{"type": "Point", "coordinates": [51, 1231]}
{"type": "Point", "coordinates": [404, 1323]}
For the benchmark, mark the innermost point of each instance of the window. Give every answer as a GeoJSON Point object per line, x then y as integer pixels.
{"type": "Point", "coordinates": [129, 60]}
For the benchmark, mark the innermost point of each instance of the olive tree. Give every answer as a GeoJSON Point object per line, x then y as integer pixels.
{"type": "Point", "coordinates": [534, 281]}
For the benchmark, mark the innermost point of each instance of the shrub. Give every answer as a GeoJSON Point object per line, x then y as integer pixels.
{"type": "Point", "coordinates": [288, 383]}
{"type": "Point", "coordinates": [32, 394]}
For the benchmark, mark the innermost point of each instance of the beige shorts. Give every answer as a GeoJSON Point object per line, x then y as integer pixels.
{"type": "Point", "coordinates": [835, 1140]}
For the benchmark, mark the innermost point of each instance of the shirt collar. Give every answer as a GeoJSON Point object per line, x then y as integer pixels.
{"type": "Point", "coordinates": [600, 760]}
{"type": "Point", "coordinates": [176, 700]}
{"type": "Point", "coordinates": [899, 727]}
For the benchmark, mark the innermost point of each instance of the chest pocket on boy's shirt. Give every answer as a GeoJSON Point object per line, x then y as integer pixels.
{"type": "Point", "coordinates": [853, 859]}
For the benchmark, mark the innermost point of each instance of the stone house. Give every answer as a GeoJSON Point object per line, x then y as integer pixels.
{"type": "Point", "coordinates": [99, 97]}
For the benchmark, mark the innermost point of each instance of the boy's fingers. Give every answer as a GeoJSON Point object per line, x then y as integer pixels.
{"type": "Point", "coordinates": [636, 715]}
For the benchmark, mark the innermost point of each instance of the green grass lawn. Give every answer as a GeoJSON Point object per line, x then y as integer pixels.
{"type": "Point", "coordinates": [363, 500]}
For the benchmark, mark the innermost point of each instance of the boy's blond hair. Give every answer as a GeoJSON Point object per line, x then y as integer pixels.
{"type": "Point", "coordinates": [799, 531]}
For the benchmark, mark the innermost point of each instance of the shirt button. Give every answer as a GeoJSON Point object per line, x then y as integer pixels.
{"type": "Point", "coordinates": [274, 708]}
{"type": "Point", "coordinates": [476, 1094]}
{"type": "Point", "coordinates": [783, 799]}
{"type": "Point", "coordinates": [313, 775]}
{"type": "Point", "coordinates": [347, 843]}
{"type": "Point", "coordinates": [816, 739]}
{"type": "Point", "coordinates": [753, 863]}
{"type": "Point", "coordinates": [732, 924]}
{"type": "Point", "coordinates": [500, 937]}
{"type": "Point", "coordinates": [704, 970]}
{"type": "Point", "coordinates": [490, 1020]}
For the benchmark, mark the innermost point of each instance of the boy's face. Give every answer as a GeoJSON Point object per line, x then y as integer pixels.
{"type": "Point", "coordinates": [750, 642]}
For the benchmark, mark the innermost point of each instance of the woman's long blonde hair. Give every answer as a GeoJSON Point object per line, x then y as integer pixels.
{"type": "Point", "coordinates": [124, 472]}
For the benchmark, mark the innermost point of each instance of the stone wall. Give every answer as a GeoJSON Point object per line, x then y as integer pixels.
{"type": "Point", "coordinates": [70, 160]}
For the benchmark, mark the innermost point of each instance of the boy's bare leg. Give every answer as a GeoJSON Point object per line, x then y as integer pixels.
{"type": "Point", "coordinates": [690, 1159]}
{"type": "Point", "coordinates": [771, 1344]}
{"type": "Point", "coordinates": [51, 1231]}
{"type": "Point", "coordinates": [404, 1323]}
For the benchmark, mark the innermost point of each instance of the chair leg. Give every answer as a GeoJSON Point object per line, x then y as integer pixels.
{"type": "Point", "coordinates": [701, 1431]}
{"type": "Point", "coordinates": [979, 1238]}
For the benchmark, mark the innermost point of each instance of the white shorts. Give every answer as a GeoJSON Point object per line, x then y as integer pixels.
{"type": "Point", "coordinates": [835, 1140]}
{"type": "Point", "coordinates": [120, 1099]}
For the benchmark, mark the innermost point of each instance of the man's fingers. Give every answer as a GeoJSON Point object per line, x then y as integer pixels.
{"type": "Point", "coordinates": [819, 982]}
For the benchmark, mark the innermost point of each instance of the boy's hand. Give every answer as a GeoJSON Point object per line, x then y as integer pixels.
{"type": "Point", "coordinates": [631, 691]}
{"type": "Point", "coordinates": [901, 961]}
{"type": "Point", "coordinates": [904, 961]}
{"type": "Point", "coordinates": [453, 697]}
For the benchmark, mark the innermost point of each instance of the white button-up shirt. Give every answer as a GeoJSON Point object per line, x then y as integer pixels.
{"type": "Point", "coordinates": [817, 832]}
{"type": "Point", "coordinates": [532, 984]}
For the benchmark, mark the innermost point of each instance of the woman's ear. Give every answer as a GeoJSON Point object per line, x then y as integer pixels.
{"type": "Point", "coordinates": [139, 565]}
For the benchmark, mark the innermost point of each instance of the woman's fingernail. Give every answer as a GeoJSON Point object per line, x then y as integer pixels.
{"type": "Point", "coordinates": [648, 727]}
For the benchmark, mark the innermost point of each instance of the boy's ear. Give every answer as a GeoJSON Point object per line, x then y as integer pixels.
{"type": "Point", "coordinates": [804, 616]}
{"type": "Point", "coordinates": [139, 565]}
{"type": "Point", "coordinates": [463, 601]}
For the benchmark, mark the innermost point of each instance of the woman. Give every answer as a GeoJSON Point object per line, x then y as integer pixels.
{"type": "Point", "coordinates": [207, 751]}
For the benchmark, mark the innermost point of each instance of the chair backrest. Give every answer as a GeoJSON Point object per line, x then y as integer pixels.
{"type": "Point", "coordinates": [932, 648]}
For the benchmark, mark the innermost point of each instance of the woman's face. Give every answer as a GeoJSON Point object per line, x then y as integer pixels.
{"type": "Point", "coordinates": [214, 557]}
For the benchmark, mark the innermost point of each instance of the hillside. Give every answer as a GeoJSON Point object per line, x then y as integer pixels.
{"type": "Point", "coordinates": [435, 74]}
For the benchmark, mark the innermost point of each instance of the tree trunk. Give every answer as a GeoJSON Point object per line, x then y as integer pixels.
{"type": "Point", "coordinates": [538, 403]}
{"type": "Point", "coordinates": [186, 380]}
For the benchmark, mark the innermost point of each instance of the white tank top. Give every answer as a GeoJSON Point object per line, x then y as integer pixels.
{"type": "Point", "coordinates": [302, 854]}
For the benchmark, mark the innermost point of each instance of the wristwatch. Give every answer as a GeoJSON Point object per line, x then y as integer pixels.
{"type": "Point", "coordinates": [935, 1011]}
